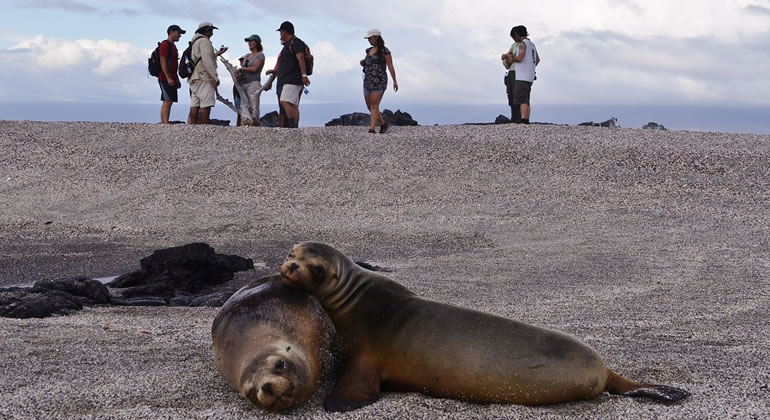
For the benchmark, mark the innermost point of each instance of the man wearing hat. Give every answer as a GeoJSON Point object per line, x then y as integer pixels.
{"type": "Point", "coordinates": [168, 79]}
{"type": "Point", "coordinates": [204, 79]}
{"type": "Point", "coordinates": [292, 74]}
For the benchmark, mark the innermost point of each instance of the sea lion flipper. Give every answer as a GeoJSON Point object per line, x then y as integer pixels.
{"type": "Point", "coordinates": [662, 393]}
{"type": "Point", "coordinates": [357, 386]}
{"type": "Point", "coordinates": [619, 385]}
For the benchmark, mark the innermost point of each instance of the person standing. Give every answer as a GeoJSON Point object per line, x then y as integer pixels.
{"type": "Point", "coordinates": [510, 78]}
{"type": "Point", "coordinates": [249, 75]}
{"type": "Point", "coordinates": [526, 60]}
{"type": "Point", "coordinates": [168, 79]}
{"type": "Point", "coordinates": [376, 78]}
{"type": "Point", "coordinates": [204, 79]}
{"type": "Point", "coordinates": [292, 74]}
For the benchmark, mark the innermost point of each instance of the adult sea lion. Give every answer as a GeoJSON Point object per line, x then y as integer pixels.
{"type": "Point", "coordinates": [271, 343]}
{"type": "Point", "coordinates": [395, 340]}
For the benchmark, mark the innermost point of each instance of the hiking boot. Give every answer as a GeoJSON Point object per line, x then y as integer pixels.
{"type": "Point", "coordinates": [384, 128]}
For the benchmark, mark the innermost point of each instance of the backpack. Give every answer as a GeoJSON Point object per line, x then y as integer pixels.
{"type": "Point", "coordinates": [308, 59]}
{"type": "Point", "coordinates": [153, 63]}
{"type": "Point", "coordinates": [186, 65]}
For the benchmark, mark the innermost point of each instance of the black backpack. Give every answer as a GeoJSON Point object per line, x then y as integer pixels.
{"type": "Point", "coordinates": [186, 65]}
{"type": "Point", "coordinates": [308, 58]}
{"type": "Point", "coordinates": [153, 63]}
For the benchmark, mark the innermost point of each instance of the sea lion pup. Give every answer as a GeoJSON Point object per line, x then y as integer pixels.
{"type": "Point", "coordinates": [271, 343]}
{"type": "Point", "coordinates": [395, 340]}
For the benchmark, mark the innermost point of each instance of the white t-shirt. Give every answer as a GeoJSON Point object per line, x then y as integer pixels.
{"type": "Point", "coordinates": [525, 69]}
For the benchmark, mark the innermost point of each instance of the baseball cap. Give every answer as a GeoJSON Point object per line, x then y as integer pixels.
{"type": "Point", "coordinates": [287, 26]}
{"type": "Point", "coordinates": [373, 32]}
{"type": "Point", "coordinates": [203, 25]}
{"type": "Point", "coordinates": [175, 28]}
{"type": "Point", "coordinates": [254, 37]}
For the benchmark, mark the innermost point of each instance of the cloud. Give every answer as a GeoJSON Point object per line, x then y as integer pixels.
{"type": "Point", "coordinates": [67, 5]}
{"type": "Point", "coordinates": [758, 10]}
{"type": "Point", "coordinates": [88, 70]}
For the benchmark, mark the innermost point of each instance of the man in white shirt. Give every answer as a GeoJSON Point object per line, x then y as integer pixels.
{"type": "Point", "coordinates": [526, 60]}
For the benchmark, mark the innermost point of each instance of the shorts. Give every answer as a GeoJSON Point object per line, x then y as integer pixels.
{"type": "Point", "coordinates": [521, 91]}
{"type": "Point", "coordinates": [202, 94]}
{"type": "Point", "coordinates": [368, 92]}
{"type": "Point", "coordinates": [291, 93]}
{"type": "Point", "coordinates": [168, 93]}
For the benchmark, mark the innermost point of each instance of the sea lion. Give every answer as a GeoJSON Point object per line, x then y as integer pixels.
{"type": "Point", "coordinates": [272, 343]}
{"type": "Point", "coordinates": [395, 340]}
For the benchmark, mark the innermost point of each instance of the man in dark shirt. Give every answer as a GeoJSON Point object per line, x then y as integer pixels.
{"type": "Point", "coordinates": [168, 78]}
{"type": "Point", "coordinates": [292, 75]}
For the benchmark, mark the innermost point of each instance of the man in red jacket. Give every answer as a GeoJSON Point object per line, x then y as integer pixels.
{"type": "Point", "coordinates": [168, 79]}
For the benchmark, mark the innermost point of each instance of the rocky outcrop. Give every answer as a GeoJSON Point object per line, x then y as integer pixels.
{"type": "Point", "coordinates": [502, 119]}
{"type": "Point", "coordinates": [18, 302]}
{"type": "Point", "coordinates": [654, 126]}
{"type": "Point", "coordinates": [361, 119]}
{"type": "Point", "coordinates": [189, 269]}
{"type": "Point", "coordinates": [611, 123]}
{"type": "Point", "coordinates": [269, 120]}
{"type": "Point", "coordinates": [52, 297]}
{"type": "Point", "coordinates": [188, 275]}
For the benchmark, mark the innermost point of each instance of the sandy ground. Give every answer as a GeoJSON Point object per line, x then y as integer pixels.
{"type": "Point", "coordinates": [650, 246]}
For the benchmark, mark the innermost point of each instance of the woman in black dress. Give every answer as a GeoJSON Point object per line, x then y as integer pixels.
{"type": "Point", "coordinates": [376, 77]}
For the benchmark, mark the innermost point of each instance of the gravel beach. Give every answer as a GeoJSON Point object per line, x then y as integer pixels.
{"type": "Point", "coordinates": [651, 246]}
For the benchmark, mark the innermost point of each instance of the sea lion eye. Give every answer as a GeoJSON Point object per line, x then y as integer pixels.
{"type": "Point", "coordinates": [280, 365]}
{"type": "Point", "coordinates": [317, 270]}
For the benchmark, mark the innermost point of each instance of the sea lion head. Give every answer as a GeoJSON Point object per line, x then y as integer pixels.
{"type": "Point", "coordinates": [309, 266]}
{"type": "Point", "coordinates": [277, 380]}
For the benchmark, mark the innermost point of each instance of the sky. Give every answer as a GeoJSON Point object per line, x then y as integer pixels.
{"type": "Point", "coordinates": [593, 52]}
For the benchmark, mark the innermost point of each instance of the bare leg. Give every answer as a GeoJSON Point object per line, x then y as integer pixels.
{"type": "Point", "coordinates": [374, 107]}
{"type": "Point", "coordinates": [292, 112]}
{"type": "Point", "coordinates": [204, 117]}
{"type": "Point", "coordinates": [165, 111]}
{"type": "Point", "coordinates": [193, 117]}
{"type": "Point", "coordinates": [525, 110]}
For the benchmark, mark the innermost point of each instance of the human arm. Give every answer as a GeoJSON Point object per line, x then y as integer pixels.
{"type": "Point", "coordinates": [389, 62]}
{"type": "Point", "coordinates": [520, 54]}
{"type": "Point", "coordinates": [301, 60]}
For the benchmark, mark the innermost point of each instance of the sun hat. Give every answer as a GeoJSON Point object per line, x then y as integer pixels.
{"type": "Point", "coordinates": [373, 32]}
{"type": "Point", "coordinates": [204, 25]}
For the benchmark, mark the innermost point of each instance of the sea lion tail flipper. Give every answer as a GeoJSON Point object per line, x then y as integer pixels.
{"type": "Point", "coordinates": [357, 386]}
{"type": "Point", "coordinates": [619, 385]}
{"type": "Point", "coordinates": [662, 393]}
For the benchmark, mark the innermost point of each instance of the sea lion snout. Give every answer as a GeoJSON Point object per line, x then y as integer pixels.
{"type": "Point", "coordinates": [293, 267]}
{"type": "Point", "coordinates": [275, 393]}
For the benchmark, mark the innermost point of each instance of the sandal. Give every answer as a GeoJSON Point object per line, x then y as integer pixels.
{"type": "Point", "coordinates": [384, 128]}
{"type": "Point", "coordinates": [371, 131]}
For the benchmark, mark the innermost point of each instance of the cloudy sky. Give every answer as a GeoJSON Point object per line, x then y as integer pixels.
{"type": "Point", "coordinates": [668, 52]}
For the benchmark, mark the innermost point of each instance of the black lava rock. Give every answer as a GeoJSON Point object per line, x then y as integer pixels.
{"type": "Point", "coordinates": [185, 269]}
{"type": "Point", "coordinates": [88, 291]}
{"type": "Point", "coordinates": [361, 119]}
{"type": "Point", "coordinates": [23, 303]}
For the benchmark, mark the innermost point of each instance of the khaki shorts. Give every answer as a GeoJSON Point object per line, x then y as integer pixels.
{"type": "Point", "coordinates": [521, 91]}
{"type": "Point", "coordinates": [202, 94]}
{"type": "Point", "coordinates": [291, 94]}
